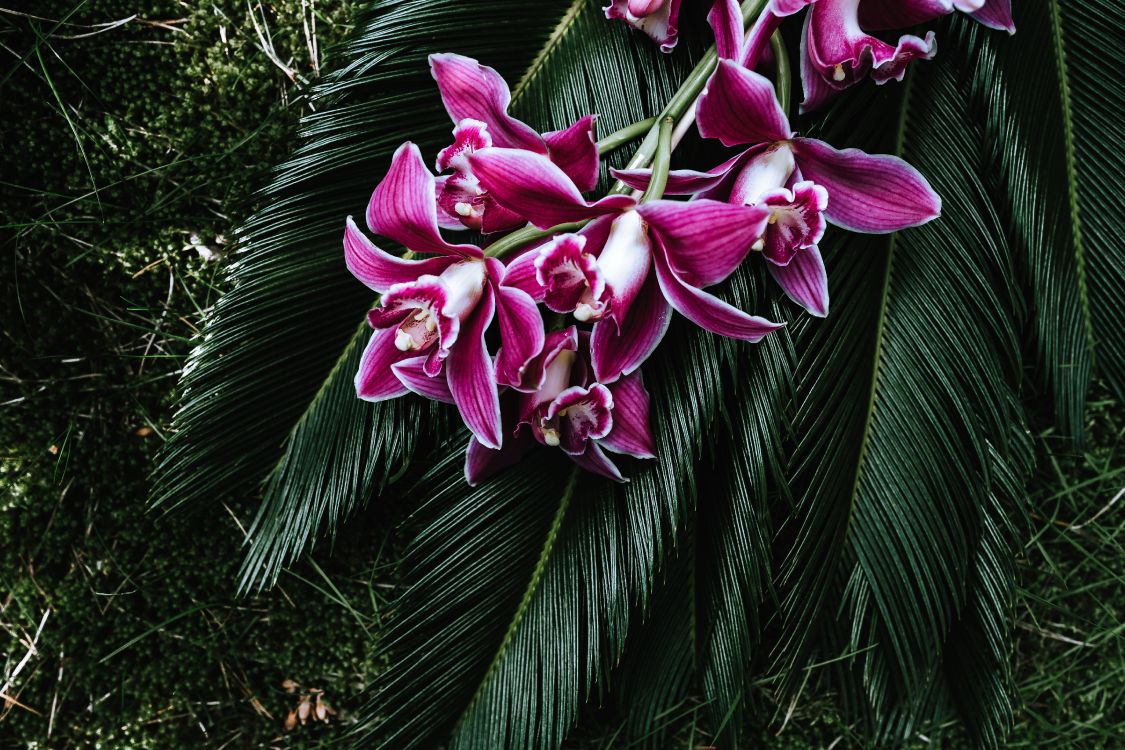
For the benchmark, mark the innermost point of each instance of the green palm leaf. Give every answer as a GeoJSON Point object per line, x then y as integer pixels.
{"type": "Point", "coordinates": [843, 492]}
{"type": "Point", "coordinates": [903, 394]}
{"type": "Point", "coordinates": [267, 392]}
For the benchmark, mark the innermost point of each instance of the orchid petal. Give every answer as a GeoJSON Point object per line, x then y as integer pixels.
{"type": "Point", "coordinates": [568, 274]}
{"type": "Point", "coordinates": [575, 151]}
{"type": "Point", "coordinates": [520, 273]}
{"type": "Point", "coordinates": [787, 7]}
{"type": "Point", "coordinates": [739, 106]}
{"type": "Point", "coordinates": [900, 14]}
{"type": "Point", "coordinates": [582, 414]}
{"type": "Point", "coordinates": [805, 281]}
{"type": "Point", "coordinates": [837, 49]}
{"type": "Point", "coordinates": [472, 377]}
{"type": "Point", "coordinates": [471, 90]}
{"type": "Point", "coordinates": [657, 18]}
{"type": "Point", "coordinates": [404, 207]}
{"type": "Point", "coordinates": [708, 311]}
{"type": "Point", "coordinates": [817, 91]}
{"type": "Point", "coordinates": [534, 187]}
{"type": "Point", "coordinates": [997, 14]}
{"type": "Point", "coordinates": [378, 269]}
{"type": "Point", "coordinates": [867, 193]}
{"type": "Point", "coordinates": [375, 380]}
{"type": "Point", "coordinates": [482, 462]}
{"type": "Point", "coordinates": [631, 433]}
{"type": "Point", "coordinates": [726, 23]}
{"type": "Point", "coordinates": [445, 218]}
{"type": "Point", "coordinates": [536, 374]}
{"type": "Point", "coordinates": [618, 348]}
{"type": "Point", "coordinates": [682, 181]}
{"type": "Point", "coordinates": [521, 330]}
{"type": "Point", "coordinates": [596, 461]}
{"type": "Point", "coordinates": [412, 374]}
{"type": "Point", "coordinates": [705, 240]}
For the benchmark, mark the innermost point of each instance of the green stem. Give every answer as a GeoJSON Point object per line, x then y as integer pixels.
{"type": "Point", "coordinates": [683, 98]}
{"type": "Point", "coordinates": [660, 163]}
{"type": "Point", "coordinates": [616, 140]}
{"type": "Point", "coordinates": [784, 74]}
{"type": "Point", "coordinates": [521, 237]}
{"type": "Point", "coordinates": [680, 102]}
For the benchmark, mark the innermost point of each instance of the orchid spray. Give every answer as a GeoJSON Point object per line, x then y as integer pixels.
{"type": "Point", "coordinates": [612, 270]}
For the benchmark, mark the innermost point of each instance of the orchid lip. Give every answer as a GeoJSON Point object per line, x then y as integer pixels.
{"type": "Point", "coordinates": [624, 263]}
{"type": "Point", "coordinates": [765, 172]}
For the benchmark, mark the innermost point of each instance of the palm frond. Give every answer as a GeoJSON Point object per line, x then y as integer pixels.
{"type": "Point", "coordinates": [265, 393]}
{"type": "Point", "coordinates": [919, 363]}
{"type": "Point", "coordinates": [844, 491]}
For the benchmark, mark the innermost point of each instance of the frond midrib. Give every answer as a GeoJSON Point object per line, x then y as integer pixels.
{"type": "Point", "coordinates": [528, 594]}
{"type": "Point", "coordinates": [1067, 114]}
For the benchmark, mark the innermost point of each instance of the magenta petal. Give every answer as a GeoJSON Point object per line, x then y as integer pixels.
{"type": "Point", "coordinates": [482, 462]}
{"type": "Point", "coordinates": [615, 351]}
{"type": "Point", "coordinates": [375, 380]}
{"type": "Point", "coordinates": [787, 7]}
{"type": "Point", "coordinates": [575, 151]}
{"type": "Point", "coordinates": [472, 377]}
{"type": "Point", "coordinates": [412, 373]}
{"type": "Point", "coordinates": [681, 181]}
{"type": "Point", "coordinates": [657, 18]}
{"type": "Point", "coordinates": [534, 187]}
{"type": "Point", "coordinates": [867, 193]}
{"type": "Point", "coordinates": [817, 92]}
{"type": "Point", "coordinates": [475, 91]}
{"type": "Point", "coordinates": [805, 280]}
{"type": "Point", "coordinates": [521, 331]}
{"type": "Point", "coordinates": [705, 240]}
{"type": "Point", "coordinates": [739, 106]}
{"type": "Point", "coordinates": [997, 14]}
{"type": "Point", "coordinates": [404, 207]}
{"type": "Point", "coordinates": [726, 22]}
{"type": "Point", "coordinates": [595, 460]}
{"type": "Point", "coordinates": [378, 269]}
{"type": "Point", "coordinates": [708, 311]}
{"type": "Point", "coordinates": [899, 14]}
{"type": "Point", "coordinates": [445, 219]}
{"type": "Point", "coordinates": [520, 273]}
{"type": "Point", "coordinates": [631, 433]}
{"type": "Point", "coordinates": [582, 414]}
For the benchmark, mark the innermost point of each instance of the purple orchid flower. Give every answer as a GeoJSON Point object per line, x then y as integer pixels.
{"type": "Point", "coordinates": [657, 18]}
{"type": "Point", "coordinates": [797, 180]}
{"type": "Point", "coordinates": [477, 98]}
{"type": "Point", "coordinates": [568, 409]}
{"type": "Point", "coordinates": [836, 52]}
{"type": "Point", "coordinates": [631, 265]}
{"type": "Point", "coordinates": [898, 14]}
{"type": "Point", "coordinates": [430, 325]}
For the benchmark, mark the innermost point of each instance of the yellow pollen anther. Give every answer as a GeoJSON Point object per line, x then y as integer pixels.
{"type": "Point", "coordinates": [838, 73]}
{"type": "Point", "coordinates": [551, 437]}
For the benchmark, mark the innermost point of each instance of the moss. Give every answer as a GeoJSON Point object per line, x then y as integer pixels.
{"type": "Point", "coordinates": [170, 122]}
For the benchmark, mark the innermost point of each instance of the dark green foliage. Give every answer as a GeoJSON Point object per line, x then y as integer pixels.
{"type": "Point", "coordinates": [835, 526]}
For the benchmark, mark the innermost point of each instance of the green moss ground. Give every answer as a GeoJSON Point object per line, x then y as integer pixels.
{"type": "Point", "coordinates": [120, 153]}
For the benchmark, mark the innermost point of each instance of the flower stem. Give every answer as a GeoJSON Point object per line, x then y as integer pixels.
{"type": "Point", "coordinates": [617, 139]}
{"type": "Point", "coordinates": [659, 131]}
{"type": "Point", "coordinates": [784, 75]}
{"type": "Point", "coordinates": [660, 162]}
{"type": "Point", "coordinates": [683, 98]}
